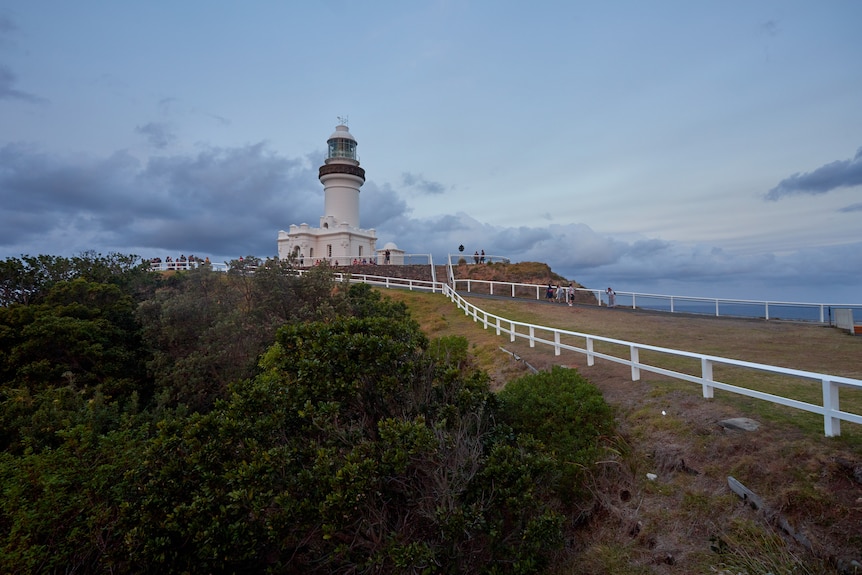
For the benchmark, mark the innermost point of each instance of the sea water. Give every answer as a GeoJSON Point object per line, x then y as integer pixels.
{"type": "Point", "coordinates": [730, 308]}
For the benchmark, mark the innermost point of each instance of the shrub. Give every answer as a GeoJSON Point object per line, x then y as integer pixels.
{"type": "Point", "coordinates": [566, 413]}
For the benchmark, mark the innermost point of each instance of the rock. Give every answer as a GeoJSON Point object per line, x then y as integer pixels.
{"type": "Point", "coordinates": [651, 476]}
{"type": "Point", "coordinates": [740, 424]}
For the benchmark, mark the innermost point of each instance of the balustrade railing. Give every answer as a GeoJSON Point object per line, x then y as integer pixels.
{"type": "Point", "coordinates": [829, 384]}
{"type": "Point", "coordinates": [561, 339]}
{"type": "Point", "coordinates": [797, 311]}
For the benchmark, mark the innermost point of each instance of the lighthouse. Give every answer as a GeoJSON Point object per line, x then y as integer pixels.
{"type": "Point", "coordinates": [341, 177]}
{"type": "Point", "coordinates": [339, 240]}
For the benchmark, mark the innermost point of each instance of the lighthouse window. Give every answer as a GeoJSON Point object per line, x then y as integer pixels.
{"type": "Point", "coordinates": [340, 148]}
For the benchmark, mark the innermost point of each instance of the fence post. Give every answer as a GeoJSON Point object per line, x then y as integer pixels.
{"type": "Point", "coordinates": [532, 336]}
{"type": "Point", "coordinates": [831, 425]}
{"type": "Point", "coordinates": [556, 342]}
{"type": "Point", "coordinates": [706, 375]}
{"type": "Point", "coordinates": [498, 326]}
{"type": "Point", "coordinates": [591, 359]}
{"type": "Point", "coordinates": [636, 371]}
{"type": "Point", "coordinates": [512, 327]}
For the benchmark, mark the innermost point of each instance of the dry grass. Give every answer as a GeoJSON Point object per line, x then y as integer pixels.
{"type": "Point", "coordinates": [687, 520]}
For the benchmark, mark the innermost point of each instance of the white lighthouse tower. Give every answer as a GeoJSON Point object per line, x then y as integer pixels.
{"type": "Point", "coordinates": [341, 177]}
{"type": "Point", "coordinates": [339, 240]}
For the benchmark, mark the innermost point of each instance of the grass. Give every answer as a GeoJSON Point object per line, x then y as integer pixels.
{"type": "Point", "coordinates": [667, 525]}
{"type": "Point", "coordinates": [800, 346]}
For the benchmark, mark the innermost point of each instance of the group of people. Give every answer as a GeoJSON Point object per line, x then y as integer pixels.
{"type": "Point", "coordinates": [561, 293]}
{"type": "Point", "coordinates": [479, 258]}
{"type": "Point", "coordinates": [181, 263]}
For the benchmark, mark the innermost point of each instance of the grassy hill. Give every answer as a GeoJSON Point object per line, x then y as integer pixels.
{"type": "Point", "coordinates": [687, 520]}
{"type": "Point", "coordinates": [521, 272]}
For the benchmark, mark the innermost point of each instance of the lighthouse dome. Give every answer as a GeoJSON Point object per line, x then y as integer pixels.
{"type": "Point", "coordinates": [341, 133]}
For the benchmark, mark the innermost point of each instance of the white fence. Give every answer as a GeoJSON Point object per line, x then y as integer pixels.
{"type": "Point", "coordinates": [830, 384]}
{"type": "Point", "coordinates": [798, 311]}
{"type": "Point", "coordinates": [390, 282]}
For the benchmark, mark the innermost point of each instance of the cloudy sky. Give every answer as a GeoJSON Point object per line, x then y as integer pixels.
{"type": "Point", "coordinates": [696, 148]}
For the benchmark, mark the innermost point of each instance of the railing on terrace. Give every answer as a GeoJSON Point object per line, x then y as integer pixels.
{"type": "Point", "coordinates": [475, 259]}
{"type": "Point", "coordinates": [829, 384]}
{"type": "Point", "coordinates": [797, 311]}
{"type": "Point", "coordinates": [389, 282]}
{"type": "Point", "coordinates": [187, 265]}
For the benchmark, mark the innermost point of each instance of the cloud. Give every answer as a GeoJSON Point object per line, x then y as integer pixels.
{"type": "Point", "coordinates": [852, 208]}
{"type": "Point", "coordinates": [837, 174]}
{"type": "Point", "coordinates": [159, 135]}
{"type": "Point", "coordinates": [226, 202]}
{"type": "Point", "coordinates": [8, 79]}
{"type": "Point", "coordinates": [770, 28]}
{"type": "Point", "coordinates": [421, 185]}
{"type": "Point", "coordinates": [218, 201]}
{"type": "Point", "coordinates": [9, 92]}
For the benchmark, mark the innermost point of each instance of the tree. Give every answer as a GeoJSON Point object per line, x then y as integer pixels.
{"type": "Point", "coordinates": [352, 451]}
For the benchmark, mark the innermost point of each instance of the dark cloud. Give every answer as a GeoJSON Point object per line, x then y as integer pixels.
{"type": "Point", "coordinates": [852, 208]}
{"type": "Point", "coordinates": [166, 105]}
{"type": "Point", "coordinates": [221, 120]}
{"type": "Point", "coordinates": [379, 205]}
{"type": "Point", "coordinates": [218, 201]}
{"type": "Point", "coordinates": [7, 26]}
{"type": "Point", "coordinates": [770, 28]}
{"type": "Point", "coordinates": [838, 174]}
{"type": "Point", "coordinates": [421, 185]}
{"type": "Point", "coordinates": [159, 135]}
{"type": "Point", "coordinates": [226, 202]}
{"type": "Point", "coordinates": [9, 92]}
{"type": "Point", "coordinates": [8, 78]}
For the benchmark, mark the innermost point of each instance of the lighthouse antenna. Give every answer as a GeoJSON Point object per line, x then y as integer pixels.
{"type": "Point", "coordinates": [342, 120]}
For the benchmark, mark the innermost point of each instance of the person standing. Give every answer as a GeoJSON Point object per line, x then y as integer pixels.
{"type": "Point", "coordinates": [476, 257]}
{"type": "Point", "coordinates": [612, 297]}
{"type": "Point", "coordinates": [571, 295]}
{"type": "Point", "coordinates": [482, 257]}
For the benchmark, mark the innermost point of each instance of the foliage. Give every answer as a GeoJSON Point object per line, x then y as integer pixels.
{"type": "Point", "coordinates": [23, 280]}
{"type": "Point", "coordinates": [80, 342]}
{"type": "Point", "coordinates": [348, 453]}
{"type": "Point", "coordinates": [207, 329]}
{"type": "Point", "coordinates": [566, 413]}
{"type": "Point", "coordinates": [256, 421]}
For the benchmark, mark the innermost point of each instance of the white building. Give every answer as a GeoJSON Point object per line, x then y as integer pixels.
{"type": "Point", "coordinates": [339, 239]}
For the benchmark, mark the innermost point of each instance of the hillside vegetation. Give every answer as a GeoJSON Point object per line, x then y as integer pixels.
{"type": "Point", "coordinates": [687, 520]}
{"type": "Point", "coordinates": [263, 422]}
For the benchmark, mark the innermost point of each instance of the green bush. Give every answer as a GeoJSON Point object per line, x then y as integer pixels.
{"type": "Point", "coordinates": [566, 413]}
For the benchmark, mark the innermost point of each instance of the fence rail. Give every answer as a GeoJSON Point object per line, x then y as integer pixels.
{"type": "Point", "coordinates": [797, 311]}
{"type": "Point", "coordinates": [829, 384]}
